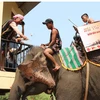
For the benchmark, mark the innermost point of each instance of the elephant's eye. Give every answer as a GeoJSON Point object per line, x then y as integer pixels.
{"type": "Point", "coordinates": [40, 55]}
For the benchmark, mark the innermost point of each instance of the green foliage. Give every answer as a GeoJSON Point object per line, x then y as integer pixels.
{"type": "Point", "coordinates": [4, 97]}
{"type": "Point", "coordinates": [41, 96]}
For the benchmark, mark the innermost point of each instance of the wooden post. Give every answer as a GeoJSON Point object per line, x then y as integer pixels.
{"type": "Point", "coordinates": [1, 18]}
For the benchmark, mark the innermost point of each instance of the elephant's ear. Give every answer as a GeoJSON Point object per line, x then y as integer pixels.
{"type": "Point", "coordinates": [27, 69]}
{"type": "Point", "coordinates": [23, 67]}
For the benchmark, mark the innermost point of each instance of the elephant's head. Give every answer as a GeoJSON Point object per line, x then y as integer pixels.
{"type": "Point", "coordinates": [36, 70]}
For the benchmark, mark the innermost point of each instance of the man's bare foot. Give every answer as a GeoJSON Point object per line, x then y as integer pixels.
{"type": "Point", "coordinates": [56, 68]}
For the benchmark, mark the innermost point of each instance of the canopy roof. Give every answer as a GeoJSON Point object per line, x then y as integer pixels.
{"type": "Point", "coordinates": [26, 6]}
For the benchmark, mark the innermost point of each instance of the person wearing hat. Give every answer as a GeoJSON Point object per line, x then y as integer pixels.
{"type": "Point", "coordinates": [11, 26]}
{"type": "Point", "coordinates": [54, 45]}
{"type": "Point", "coordinates": [10, 31]}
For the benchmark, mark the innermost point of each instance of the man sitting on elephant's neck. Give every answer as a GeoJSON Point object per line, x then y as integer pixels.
{"type": "Point", "coordinates": [54, 45]}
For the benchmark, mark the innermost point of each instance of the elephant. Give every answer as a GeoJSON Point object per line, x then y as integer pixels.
{"type": "Point", "coordinates": [67, 85]}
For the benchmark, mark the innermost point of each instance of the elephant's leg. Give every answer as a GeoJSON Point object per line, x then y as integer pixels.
{"type": "Point", "coordinates": [18, 87]}
{"type": "Point", "coordinates": [69, 86]}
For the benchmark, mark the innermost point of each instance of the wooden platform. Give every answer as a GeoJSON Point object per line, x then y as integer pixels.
{"type": "Point", "coordinates": [6, 79]}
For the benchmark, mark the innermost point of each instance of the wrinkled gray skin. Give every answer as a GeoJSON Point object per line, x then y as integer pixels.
{"type": "Point", "coordinates": [69, 85]}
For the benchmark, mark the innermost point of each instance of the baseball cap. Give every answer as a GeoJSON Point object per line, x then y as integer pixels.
{"type": "Point", "coordinates": [47, 21]}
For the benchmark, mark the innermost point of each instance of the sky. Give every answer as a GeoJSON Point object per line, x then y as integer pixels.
{"type": "Point", "coordinates": [60, 12]}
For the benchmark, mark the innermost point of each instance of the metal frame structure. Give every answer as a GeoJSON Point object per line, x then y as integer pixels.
{"type": "Point", "coordinates": [19, 51]}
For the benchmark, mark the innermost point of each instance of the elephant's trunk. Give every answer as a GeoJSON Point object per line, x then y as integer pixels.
{"type": "Point", "coordinates": [15, 93]}
{"type": "Point", "coordinates": [46, 80]}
